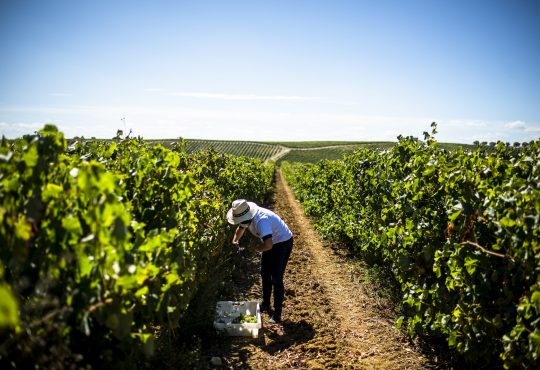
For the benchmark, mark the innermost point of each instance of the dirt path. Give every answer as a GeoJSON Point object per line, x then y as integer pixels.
{"type": "Point", "coordinates": [284, 150]}
{"type": "Point", "coordinates": [330, 320]}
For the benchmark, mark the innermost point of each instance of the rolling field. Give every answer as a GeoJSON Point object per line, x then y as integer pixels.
{"type": "Point", "coordinates": [290, 151]}
{"type": "Point", "coordinates": [294, 151]}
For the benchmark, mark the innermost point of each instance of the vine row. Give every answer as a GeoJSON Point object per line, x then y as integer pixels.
{"type": "Point", "coordinates": [459, 230]}
{"type": "Point", "coordinates": [103, 242]}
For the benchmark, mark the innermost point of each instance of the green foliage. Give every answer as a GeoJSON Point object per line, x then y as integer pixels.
{"type": "Point", "coordinates": [314, 151]}
{"type": "Point", "coordinates": [103, 241]}
{"type": "Point", "coordinates": [458, 229]}
{"type": "Point", "coordinates": [315, 155]}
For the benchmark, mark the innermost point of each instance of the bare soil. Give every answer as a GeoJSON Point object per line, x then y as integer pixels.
{"type": "Point", "coordinates": [332, 316]}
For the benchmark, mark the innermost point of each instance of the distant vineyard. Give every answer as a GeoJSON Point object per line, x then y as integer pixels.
{"type": "Point", "coordinates": [322, 144]}
{"type": "Point", "coordinates": [315, 154]}
{"type": "Point", "coordinates": [291, 151]}
{"type": "Point", "coordinates": [242, 148]}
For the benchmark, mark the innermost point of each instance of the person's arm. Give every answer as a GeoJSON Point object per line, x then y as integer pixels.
{"type": "Point", "coordinates": [266, 245]}
{"type": "Point", "coordinates": [237, 235]}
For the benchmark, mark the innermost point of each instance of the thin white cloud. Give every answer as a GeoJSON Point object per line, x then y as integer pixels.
{"type": "Point", "coordinates": [203, 95]}
{"type": "Point", "coordinates": [18, 129]}
{"type": "Point", "coordinates": [72, 109]}
{"type": "Point", "coordinates": [521, 126]}
{"type": "Point", "coordinates": [533, 129]}
{"type": "Point", "coordinates": [516, 125]}
{"type": "Point", "coordinates": [250, 122]}
{"type": "Point", "coordinates": [23, 125]}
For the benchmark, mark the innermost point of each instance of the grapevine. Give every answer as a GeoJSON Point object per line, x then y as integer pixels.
{"type": "Point", "coordinates": [458, 229]}
{"type": "Point", "coordinates": [103, 241]}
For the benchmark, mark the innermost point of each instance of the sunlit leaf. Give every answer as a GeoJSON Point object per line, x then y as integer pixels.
{"type": "Point", "coordinates": [9, 308]}
{"type": "Point", "coordinates": [23, 229]}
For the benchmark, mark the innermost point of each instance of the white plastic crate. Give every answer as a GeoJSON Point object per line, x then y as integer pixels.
{"type": "Point", "coordinates": [228, 311]}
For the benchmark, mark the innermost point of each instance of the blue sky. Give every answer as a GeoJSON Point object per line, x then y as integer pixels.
{"type": "Point", "coordinates": [272, 70]}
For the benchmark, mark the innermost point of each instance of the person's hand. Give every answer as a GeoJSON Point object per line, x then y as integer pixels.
{"type": "Point", "coordinates": [238, 247]}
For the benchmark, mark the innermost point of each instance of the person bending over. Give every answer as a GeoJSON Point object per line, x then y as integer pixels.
{"type": "Point", "coordinates": [276, 247]}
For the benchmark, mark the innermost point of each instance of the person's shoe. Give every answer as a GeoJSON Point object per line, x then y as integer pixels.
{"type": "Point", "coordinates": [275, 320]}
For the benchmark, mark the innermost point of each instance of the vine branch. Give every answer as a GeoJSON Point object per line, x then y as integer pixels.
{"type": "Point", "coordinates": [487, 251]}
{"type": "Point", "coordinates": [95, 306]}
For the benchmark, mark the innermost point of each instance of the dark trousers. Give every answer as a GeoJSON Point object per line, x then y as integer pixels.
{"type": "Point", "coordinates": [273, 263]}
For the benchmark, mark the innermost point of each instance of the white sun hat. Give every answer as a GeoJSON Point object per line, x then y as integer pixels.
{"type": "Point", "coordinates": [241, 211]}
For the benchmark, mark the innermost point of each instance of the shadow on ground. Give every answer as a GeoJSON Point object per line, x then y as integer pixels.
{"type": "Point", "coordinates": [272, 340]}
{"type": "Point", "coordinates": [293, 333]}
